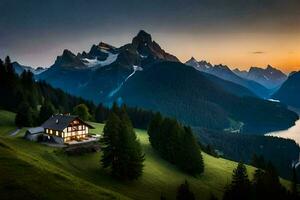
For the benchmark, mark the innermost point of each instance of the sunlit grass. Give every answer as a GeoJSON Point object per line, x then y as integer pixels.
{"type": "Point", "coordinates": [48, 172]}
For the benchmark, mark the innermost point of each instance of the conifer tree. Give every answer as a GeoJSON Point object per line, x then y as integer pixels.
{"type": "Point", "coordinates": [266, 185]}
{"type": "Point", "coordinates": [213, 197]}
{"type": "Point", "coordinates": [110, 142]}
{"type": "Point", "coordinates": [101, 113]}
{"type": "Point", "coordinates": [184, 193]}
{"type": "Point", "coordinates": [122, 152]}
{"type": "Point", "coordinates": [46, 111]}
{"type": "Point", "coordinates": [191, 159]}
{"type": "Point", "coordinates": [153, 130]}
{"type": "Point", "coordinates": [176, 144]}
{"type": "Point", "coordinates": [294, 183]}
{"type": "Point", "coordinates": [240, 187]}
{"type": "Point", "coordinates": [25, 116]}
{"type": "Point", "coordinates": [163, 197]}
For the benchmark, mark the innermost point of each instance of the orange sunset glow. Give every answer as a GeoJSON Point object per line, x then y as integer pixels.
{"type": "Point", "coordinates": [239, 50]}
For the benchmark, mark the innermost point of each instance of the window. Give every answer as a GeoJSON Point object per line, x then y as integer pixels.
{"type": "Point", "coordinates": [50, 131]}
{"type": "Point", "coordinates": [69, 129]}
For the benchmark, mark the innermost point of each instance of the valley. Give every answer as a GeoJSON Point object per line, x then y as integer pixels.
{"type": "Point", "coordinates": [149, 100]}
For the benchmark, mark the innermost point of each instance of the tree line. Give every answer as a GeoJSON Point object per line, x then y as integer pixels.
{"type": "Point", "coordinates": [264, 185]}
{"type": "Point", "coordinates": [176, 144]}
{"type": "Point", "coordinates": [35, 101]}
{"type": "Point", "coordinates": [242, 147]}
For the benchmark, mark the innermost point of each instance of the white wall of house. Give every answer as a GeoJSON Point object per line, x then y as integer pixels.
{"type": "Point", "coordinates": [77, 131]}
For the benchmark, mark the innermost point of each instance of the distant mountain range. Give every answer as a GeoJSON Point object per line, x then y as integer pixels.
{"type": "Point", "coordinates": [222, 71]}
{"type": "Point", "coordinates": [269, 77]}
{"type": "Point", "coordinates": [142, 74]}
{"type": "Point", "coordinates": [19, 69]}
{"type": "Point", "coordinates": [289, 92]}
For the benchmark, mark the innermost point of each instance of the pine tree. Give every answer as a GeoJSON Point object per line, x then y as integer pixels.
{"type": "Point", "coordinates": [258, 161]}
{"type": "Point", "coordinates": [213, 197]}
{"type": "Point", "coordinates": [110, 142]}
{"type": "Point", "coordinates": [294, 183]}
{"type": "Point", "coordinates": [259, 184]}
{"type": "Point", "coordinates": [240, 175]}
{"type": "Point", "coordinates": [25, 116]}
{"type": "Point", "coordinates": [184, 193]}
{"type": "Point", "coordinates": [163, 197]}
{"type": "Point", "coordinates": [122, 152]}
{"type": "Point", "coordinates": [153, 130]}
{"type": "Point", "coordinates": [131, 162]}
{"type": "Point", "coordinates": [47, 110]}
{"type": "Point", "coordinates": [190, 159]}
{"type": "Point", "coordinates": [266, 185]}
{"type": "Point", "coordinates": [101, 113]}
{"type": "Point", "coordinates": [176, 144]}
{"type": "Point", "coordinates": [240, 187]}
{"type": "Point", "coordinates": [9, 67]}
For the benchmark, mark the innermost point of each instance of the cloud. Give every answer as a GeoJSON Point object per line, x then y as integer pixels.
{"type": "Point", "coordinates": [258, 52]}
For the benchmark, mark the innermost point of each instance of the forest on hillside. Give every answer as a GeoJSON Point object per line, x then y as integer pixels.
{"type": "Point", "coordinates": [36, 99]}
{"type": "Point", "coordinates": [242, 147]}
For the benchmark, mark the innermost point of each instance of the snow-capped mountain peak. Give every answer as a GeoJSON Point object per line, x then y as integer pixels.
{"type": "Point", "coordinates": [19, 69]}
{"type": "Point", "coordinates": [269, 77]}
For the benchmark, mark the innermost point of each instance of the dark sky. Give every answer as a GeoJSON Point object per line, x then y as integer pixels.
{"type": "Point", "coordinates": [232, 32]}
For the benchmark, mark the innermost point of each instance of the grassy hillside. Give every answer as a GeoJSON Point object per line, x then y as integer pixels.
{"type": "Point", "coordinates": [34, 171]}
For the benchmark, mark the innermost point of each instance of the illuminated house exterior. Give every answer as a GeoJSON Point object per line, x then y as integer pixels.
{"type": "Point", "coordinates": [66, 128]}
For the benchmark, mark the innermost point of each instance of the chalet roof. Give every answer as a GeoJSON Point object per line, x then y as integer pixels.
{"type": "Point", "coordinates": [60, 122]}
{"type": "Point", "coordinates": [35, 130]}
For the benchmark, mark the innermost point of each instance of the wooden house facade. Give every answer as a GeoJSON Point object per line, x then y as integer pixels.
{"type": "Point", "coordinates": [65, 128]}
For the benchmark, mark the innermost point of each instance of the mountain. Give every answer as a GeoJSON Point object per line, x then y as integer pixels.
{"type": "Point", "coordinates": [191, 97]}
{"type": "Point", "coordinates": [289, 92]}
{"type": "Point", "coordinates": [100, 73]}
{"type": "Point", "coordinates": [223, 71]}
{"type": "Point", "coordinates": [141, 73]}
{"type": "Point", "coordinates": [230, 87]}
{"type": "Point", "coordinates": [269, 77]}
{"type": "Point", "coordinates": [19, 69]}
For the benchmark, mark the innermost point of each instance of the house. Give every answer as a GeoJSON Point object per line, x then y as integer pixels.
{"type": "Point", "coordinates": [32, 134]}
{"type": "Point", "coordinates": [66, 128]}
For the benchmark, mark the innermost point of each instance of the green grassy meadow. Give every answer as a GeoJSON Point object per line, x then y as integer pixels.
{"type": "Point", "coordinates": [29, 170]}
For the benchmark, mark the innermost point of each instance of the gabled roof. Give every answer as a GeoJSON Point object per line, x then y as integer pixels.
{"type": "Point", "coordinates": [60, 122]}
{"type": "Point", "coordinates": [35, 130]}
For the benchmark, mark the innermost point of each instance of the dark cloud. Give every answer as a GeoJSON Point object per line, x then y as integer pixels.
{"type": "Point", "coordinates": [258, 52]}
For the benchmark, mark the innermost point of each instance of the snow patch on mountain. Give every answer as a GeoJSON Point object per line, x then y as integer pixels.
{"type": "Point", "coordinates": [91, 62]}
{"type": "Point", "coordinates": [110, 59]}
{"type": "Point", "coordinates": [94, 62]}
{"type": "Point", "coordinates": [266, 77]}
{"type": "Point", "coordinates": [274, 100]}
{"type": "Point", "coordinates": [135, 69]}
{"type": "Point", "coordinates": [143, 56]}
